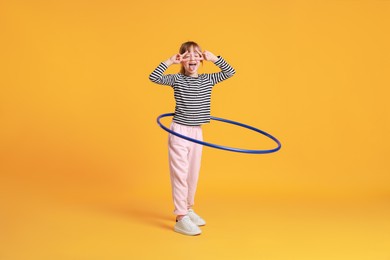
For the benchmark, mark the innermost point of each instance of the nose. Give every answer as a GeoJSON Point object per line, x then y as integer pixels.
{"type": "Point", "coordinates": [192, 56]}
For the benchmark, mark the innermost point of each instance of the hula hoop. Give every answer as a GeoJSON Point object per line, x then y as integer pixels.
{"type": "Point", "coordinates": [220, 146]}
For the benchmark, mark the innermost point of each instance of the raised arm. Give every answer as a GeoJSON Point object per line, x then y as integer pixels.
{"type": "Point", "coordinates": [157, 76]}
{"type": "Point", "coordinates": [226, 72]}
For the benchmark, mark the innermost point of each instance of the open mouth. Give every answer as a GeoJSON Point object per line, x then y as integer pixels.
{"type": "Point", "coordinates": [192, 65]}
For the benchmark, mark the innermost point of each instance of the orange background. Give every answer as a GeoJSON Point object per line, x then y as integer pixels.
{"type": "Point", "coordinates": [83, 164]}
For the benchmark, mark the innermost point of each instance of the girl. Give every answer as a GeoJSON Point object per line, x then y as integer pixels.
{"type": "Point", "coordinates": [192, 92]}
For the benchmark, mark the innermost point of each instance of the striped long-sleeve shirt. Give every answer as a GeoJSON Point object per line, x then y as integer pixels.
{"type": "Point", "coordinates": [192, 94]}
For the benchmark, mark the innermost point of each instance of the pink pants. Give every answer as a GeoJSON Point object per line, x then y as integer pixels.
{"type": "Point", "coordinates": [184, 165]}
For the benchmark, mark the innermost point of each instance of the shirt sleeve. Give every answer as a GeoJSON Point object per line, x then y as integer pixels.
{"type": "Point", "coordinates": [226, 72]}
{"type": "Point", "coordinates": [157, 75]}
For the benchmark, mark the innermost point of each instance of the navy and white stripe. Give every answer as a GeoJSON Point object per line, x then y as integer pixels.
{"type": "Point", "coordinates": [192, 94]}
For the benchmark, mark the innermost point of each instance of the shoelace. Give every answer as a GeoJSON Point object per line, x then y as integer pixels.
{"type": "Point", "coordinates": [189, 222]}
{"type": "Point", "coordinates": [194, 215]}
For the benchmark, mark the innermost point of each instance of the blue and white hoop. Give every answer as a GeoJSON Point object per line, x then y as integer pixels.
{"type": "Point", "coordinates": [220, 146]}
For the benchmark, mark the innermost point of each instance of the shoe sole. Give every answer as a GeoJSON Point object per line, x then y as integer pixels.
{"type": "Point", "coordinates": [199, 225]}
{"type": "Point", "coordinates": [178, 230]}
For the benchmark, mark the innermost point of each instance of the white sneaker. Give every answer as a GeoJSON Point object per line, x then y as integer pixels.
{"type": "Point", "coordinates": [195, 218]}
{"type": "Point", "coordinates": [187, 227]}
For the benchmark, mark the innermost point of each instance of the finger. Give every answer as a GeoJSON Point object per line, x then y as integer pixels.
{"type": "Point", "coordinates": [200, 55]}
{"type": "Point", "coordinates": [186, 52]}
{"type": "Point", "coordinates": [178, 59]}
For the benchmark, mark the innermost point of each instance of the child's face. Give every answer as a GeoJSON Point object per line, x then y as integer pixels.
{"type": "Point", "coordinates": [191, 61]}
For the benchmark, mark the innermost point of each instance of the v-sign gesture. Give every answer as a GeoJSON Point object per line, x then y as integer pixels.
{"type": "Point", "coordinates": [177, 58]}
{"type": "Point", "coordinates": [209, 56]}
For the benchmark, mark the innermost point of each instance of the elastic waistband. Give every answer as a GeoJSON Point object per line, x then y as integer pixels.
{"type": "Point", "coordinates": [186, 126]}
{"type": "Point", "coordinates": [190, 126]}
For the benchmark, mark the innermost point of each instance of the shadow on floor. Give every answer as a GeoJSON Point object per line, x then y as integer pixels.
{"type": "Point", "coordinates": [144, 215]}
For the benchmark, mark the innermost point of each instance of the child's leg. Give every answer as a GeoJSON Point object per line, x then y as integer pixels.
{"type": "Point", "coordinates": [194, 158]}
{"type": "Point", "coordinates": [178, 165]}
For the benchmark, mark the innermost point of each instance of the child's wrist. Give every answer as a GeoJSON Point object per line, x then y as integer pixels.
{"type": "Point", "coordinates": [168, 62]}
{"type": "Point", "coordinates": [215, 59]}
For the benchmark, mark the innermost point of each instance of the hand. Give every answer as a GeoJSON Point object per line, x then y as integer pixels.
{"type": "Point", "coordinates": [209, 56]}
{"type": "Point", "coordinates": [177, 58]}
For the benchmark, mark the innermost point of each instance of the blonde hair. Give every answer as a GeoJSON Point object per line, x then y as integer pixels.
{"type": "Point", "coordinates": [186, 47]}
